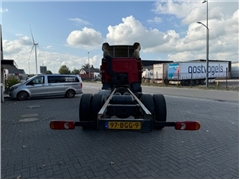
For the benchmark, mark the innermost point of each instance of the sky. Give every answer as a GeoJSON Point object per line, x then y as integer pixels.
{"type": "Point", "coordinates": [71, 33]}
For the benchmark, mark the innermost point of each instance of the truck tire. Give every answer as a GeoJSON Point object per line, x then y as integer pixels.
{"type": "Point", "coordinates": [148, 102]}
{"type": "Point", "coordinates": [97, 103]}
{"type": "Point", "coordinates": [160, 110]}
{"type": "Point", "coordinates": [85, 109]}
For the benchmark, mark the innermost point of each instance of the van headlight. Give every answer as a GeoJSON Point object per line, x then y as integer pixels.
{"type": "Point", "coordinates": [13, 88]}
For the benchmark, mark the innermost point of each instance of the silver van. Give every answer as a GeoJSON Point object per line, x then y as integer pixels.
{"type": "Point", "coordinates": [45, 85]}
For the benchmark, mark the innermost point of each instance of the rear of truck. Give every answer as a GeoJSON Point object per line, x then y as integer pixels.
{"type": "Point", "coordinates": [120, 104]}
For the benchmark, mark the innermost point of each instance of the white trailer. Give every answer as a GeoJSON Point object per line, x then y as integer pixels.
{"type": "Point", "coordinates": [160, 72]}
{"type": "Point", "coordinates": [235, 70]}
{"type": "Point", "coordinates": [195, 72]}
{"type": "Point", "coordinates": [147, 74]}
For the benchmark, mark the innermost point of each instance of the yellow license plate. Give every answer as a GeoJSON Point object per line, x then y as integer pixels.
{"type": "Point", "coordinates": [124, 125]}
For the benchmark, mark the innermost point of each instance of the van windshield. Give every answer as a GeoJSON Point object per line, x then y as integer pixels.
{"type": "Point", "coordinates": [30, 79]}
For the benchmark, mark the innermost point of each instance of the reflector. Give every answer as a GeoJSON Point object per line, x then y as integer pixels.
{"type": "Point", "coordinates": [62, 125]}
{"type": "Point", "coordinates": [187, 125]}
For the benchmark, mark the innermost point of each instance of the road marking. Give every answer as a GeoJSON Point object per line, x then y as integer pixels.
{"type": "Point", "coordinates": [91, 87]}
{"type": "Point", "coordinates": [28, 119]}
{"type": "Point", "coordinates": [29, 115]}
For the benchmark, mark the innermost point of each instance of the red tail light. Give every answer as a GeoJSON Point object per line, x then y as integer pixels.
{"type": "Point", "coordinates": [187, 125]}
{"type": "Point", "coordinates": [62, 125]}
{"type": "Point", "coordinates": [80, 85]}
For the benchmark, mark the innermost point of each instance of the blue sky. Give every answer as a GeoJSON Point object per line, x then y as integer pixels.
{"type": "Point", "coordinates": [67, 31]}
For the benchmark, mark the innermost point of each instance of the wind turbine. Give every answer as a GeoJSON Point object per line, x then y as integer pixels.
{"type": "Point", "coordinates": [29, 60]}
{"type": "Point", "coordinates": [34, 45]}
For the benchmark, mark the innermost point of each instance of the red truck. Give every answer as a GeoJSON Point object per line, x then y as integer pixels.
{"type": "Point", "coordinates": [120, 104]}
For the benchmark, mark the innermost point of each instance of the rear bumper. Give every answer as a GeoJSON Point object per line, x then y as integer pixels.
{"type": "Point", "coordinates": [78, 91]}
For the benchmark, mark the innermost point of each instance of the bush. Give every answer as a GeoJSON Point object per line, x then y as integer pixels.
{"type": "Point", "coordinates": [10, 81]}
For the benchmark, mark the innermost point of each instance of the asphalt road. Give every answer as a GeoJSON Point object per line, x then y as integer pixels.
{"type": "Point", "coordinates": [30, 149]}
{"type": "Point", "coordinates": [220, 95]}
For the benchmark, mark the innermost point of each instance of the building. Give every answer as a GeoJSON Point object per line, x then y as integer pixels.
{"type": "Point", "coordinates": [43, 69]}
{"type": "Point", "coordinates": [7, 65]}
{"type": "Point", "coordinates": [18, 73]}
{"type": "Point", "coordinates": [94, 73]}
{"type": "Point", "coordinates": [151, 62]}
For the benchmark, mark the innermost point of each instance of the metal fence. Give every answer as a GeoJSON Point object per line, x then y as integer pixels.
{"type": "Point", "coordinates": [216, 80]}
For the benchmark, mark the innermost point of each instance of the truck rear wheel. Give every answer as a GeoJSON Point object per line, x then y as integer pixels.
{"type": "Point", "coordinates": [148, 102]}
{"type": "Point", "coordinates": [85, 109]}
{"type": "Point", "coordinates": [97, 103]}
{"type": "Point", "coordinates": [160, 110]}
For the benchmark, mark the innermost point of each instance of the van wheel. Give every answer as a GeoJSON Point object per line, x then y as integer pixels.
{"type": "Point", "coordinates": [70, 93]}
{"type": "Point", "coordinates": [22, 96]}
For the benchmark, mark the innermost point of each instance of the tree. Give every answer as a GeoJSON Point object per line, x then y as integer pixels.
{"type": "Point", "coordinates": [75, 71]}
{"type": "Point", "coordinates": [48, 72]}
{"type": "Point", "coordinates": [10, 81]}
{"type": "Point", "coordinates": [31, 75]}
{"type": "Point", "coordinates": [86, 66]}
{"type": "Point", "coordinates": [64, 70]}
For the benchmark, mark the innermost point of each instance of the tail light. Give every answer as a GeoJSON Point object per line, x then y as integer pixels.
{"type": "Point", "coordinates": [80, 85]}
{"type": "Point", "coordinates": [62, 125]}
{"type": "Point", "coordinates": [187, 125]}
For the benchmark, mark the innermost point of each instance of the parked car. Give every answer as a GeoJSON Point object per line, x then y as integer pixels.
{"type": "Point", "coordinates": [45, 85]}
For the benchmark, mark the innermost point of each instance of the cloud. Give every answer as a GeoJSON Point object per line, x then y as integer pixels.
{"type": "Point", "coordinates": [79, 21]}
{"type": "Point", "coordinates": [182, 56]}
{"type": "Point", "coordinates": [167, 45]}
{"type": "Point", "coordinates": [85, 38]}
{"type": "Point", "coordinates": [194, 10]}
{"type": "Point", "coordinates": [223, 33]}
{"type": "Point", "coordinates": [18, 35]}
{"type": "Point", "coordinates": [151, 40]}
{"type": "Point", "coordinates": [131, 30]}
{"type": "Point", "coordinates": [177, 8]}
{"type": "Point", "coordinates": [156, 20]}
{"type": "Point", "coordinates": [53, 60]}
{"type": "Point", "coordinates": [3, 10]}
{"type": "Point", "coordinates": [222, 22]}
{"type": "Point", "coordinates": [23, 43]}
{"type": "Point", "coordinates": [223, 41]}
{"type": "Point", "coordinates": [48, 47]}
{"type": "Point", "coordinates": [19, 50]}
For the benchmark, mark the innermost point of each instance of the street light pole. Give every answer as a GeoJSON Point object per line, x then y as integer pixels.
{"type": "Point", "coordinates": [207, 58]}
{"type": "Point", "coordinates": [207, 43]}
{"type": "Point", "coordinates": [88, 67]}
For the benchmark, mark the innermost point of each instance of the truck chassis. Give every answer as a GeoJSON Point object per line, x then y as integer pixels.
{"type": "Point", "coordinates": [121, 105]}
